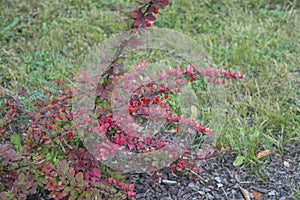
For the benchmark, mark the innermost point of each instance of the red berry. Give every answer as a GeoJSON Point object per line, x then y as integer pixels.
{"type": "Point", "coordinates": [71, 134]}
{"type": "Point", "coordinates": [67, 153]}
{"type": "Point", "coordinates": [166, 96]}
{"type": "Point", "coordinates": [194, 77]}
{"type": "Point", "coordinates": [63, 110]}
{"type": "Point", "coordinates": [13, 107]}
{"type": "Point", "coordinates": [50, 127]}
{"type": "Point", "coordinates": [187, 152]}
{"type": "Point", "coordinates": [108, 118]}
{"type": "Point", "coordinates": [148, 24]}
{"type": "Point", "coordinates": [3, 131]}
{"type": "Point", "coordinates": [44, 140]}
{"type": "Point", "coordinates": [53, 121]}
{"type": "Point", "coordinates": [223, 82]}
{"type": "Point", "coordinates": [132, 104]}
{"type": "Point", "coordinates": [195, 180]}
{"type": "Point", "coordinates": [68, 138]}
{"type": "Point", "coordinates": [155, 11]}
{"type": "Point", "coordinates": [174, 169]}
{"type": "Point", "coordinates": [60, 117]}
{"type": "Point", "coordinates": [162, 90]}
{"type": "Point", "coordinates": [7, 104]}
{"type": "Point", "coordinates": [157, 98]}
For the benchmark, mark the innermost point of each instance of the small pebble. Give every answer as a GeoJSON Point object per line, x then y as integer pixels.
{"type": "Point", "coordinates": [218, 179]}
{"type": "Point", "coordinates": [272, 193]}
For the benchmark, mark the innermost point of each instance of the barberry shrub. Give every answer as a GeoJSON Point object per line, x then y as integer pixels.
{"type": "Point", "coordinates": [44, 147]}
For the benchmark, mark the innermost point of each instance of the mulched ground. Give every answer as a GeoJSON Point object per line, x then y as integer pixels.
{"type": "Point", "coordinates": [277, 177]}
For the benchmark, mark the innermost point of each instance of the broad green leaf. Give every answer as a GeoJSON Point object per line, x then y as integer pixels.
{"type": "Point", "coordinates": [238, 161]}
{"type": "Point", "coordinates": [48, 156]}
{"type": "Point", "coordinates": [16, 140]}
{"type": "Point", "coordinates": [67, 190]}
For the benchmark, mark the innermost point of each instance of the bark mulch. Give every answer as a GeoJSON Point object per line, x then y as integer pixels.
{"type": "Point", "coordinates": [275, 177]}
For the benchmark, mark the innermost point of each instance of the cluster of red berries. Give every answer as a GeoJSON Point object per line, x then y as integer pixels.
{"type": "Point", "coordinates": [148, 23]}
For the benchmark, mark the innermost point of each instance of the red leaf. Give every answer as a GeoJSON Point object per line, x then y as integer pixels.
{"type": "Point", "coordinates": [137, 22]}
{"type": "Point", "coordinates": [136, 14]}
{"type": "Point", "coordinates": [131, 187]}
{"type": "Point", "coordinates": [39, 102]}
{"type": "Point", "coordinates": [37, 116]}
{"type": "Point", "coordinates": [96, 172]}
{"type": "Point", "coordinates": [150, 17]}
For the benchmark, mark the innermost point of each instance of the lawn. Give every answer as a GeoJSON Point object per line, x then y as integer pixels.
{"type": "Point", "coordinates": [42, 41]}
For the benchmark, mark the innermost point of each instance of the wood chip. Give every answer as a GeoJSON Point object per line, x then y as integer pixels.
{"type": "Point", "coordinates": [257, 195]}
{"type": "Point", "coordinates": [245, 193]}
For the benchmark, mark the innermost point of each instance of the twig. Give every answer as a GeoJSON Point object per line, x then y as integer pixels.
{"type": "Point", "coordinates": [169, 182]}
{"type": "Point", "coordinates": [198, 176]}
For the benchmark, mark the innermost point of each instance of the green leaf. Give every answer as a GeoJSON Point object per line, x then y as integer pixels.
{"type": "Point", "coordinates": [12, 24]}
{"type": "Point", "coordinates": [238, 161]}
{"type": "Point", "coordinates": [16, 140]}
{"type": "Point", "coordinates": [45, 151]}
{"type": "Point", "coordinates": [48, 156]}
{"type": "Point", "coordinates": [67, 190]}
{"type": "Point", "coordinates": [155, 163]}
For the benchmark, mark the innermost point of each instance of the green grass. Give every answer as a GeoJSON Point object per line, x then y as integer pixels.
{"type": "Point", "coordinates": [45, 40]}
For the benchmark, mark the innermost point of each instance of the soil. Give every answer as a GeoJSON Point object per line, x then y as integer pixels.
{"type": "Point", "coordinates": [274, 177]}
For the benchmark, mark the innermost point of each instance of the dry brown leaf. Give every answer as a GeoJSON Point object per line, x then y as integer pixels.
{"type": "Point", "coordinates": [286, 164]}
{"type": "Point", "coordinates": [257, 195]}
{"type": "Point", "coordinates": [264, 153]}
{"type": "Point", "coordinates": [245, 193]}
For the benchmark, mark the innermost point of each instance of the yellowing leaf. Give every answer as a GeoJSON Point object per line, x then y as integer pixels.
{"type": "Point", "coordinates": [194, 112]}
{"type": "Point", "coordinates": [264, 153]}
